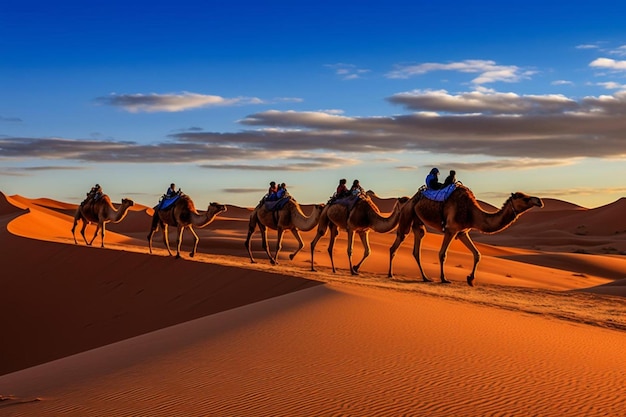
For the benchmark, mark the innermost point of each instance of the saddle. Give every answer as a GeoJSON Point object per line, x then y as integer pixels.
{"type": "Point", "coordinates": [276, 205]}
{"type": "Point", "coordinates": [349, 202]}
{"type": "Point", "coordinates": [167, 202]}
{"type": "Point", "coordinates": [438, 195]}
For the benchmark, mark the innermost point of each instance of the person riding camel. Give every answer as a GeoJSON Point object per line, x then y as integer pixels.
{"type": "Point", "coordinates": [450, 179]}
{"type": "Point", "coordinates": [342, 189]}
{"type": "Point", "coordinates": [282, 191]}
{"type": "Point", "coordinates": [171, 192]}
{"type": "Point", "coordinates": [432, 180]}
{"type": "Point", "coordinates": [356, 188]}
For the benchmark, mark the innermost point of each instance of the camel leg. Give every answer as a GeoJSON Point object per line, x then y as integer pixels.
{"type": "Point", "coordinates": [467, 241]}
{"type": "Point", "coordinates": [447, 239]}
{"type": "Point", "coordinates": [296, 234]}
{"type": "Point", "coordinates": [95, 234]}
{"type": "Point", "coordinates": [166, 238]}
{"type": "Point", "coordinates": [74, 229]}
{"type": "Point", "coordinates": [179, 240]}
{"type": "Point", "coordinates": [350, 247]}
{"type": "Point", "coordinates": [102, 233]}
{"type": "Point", "coordinates": [321, 231]}
{"type": "Point", "coordinates": [248, 243]}
{"type": "Point", "coordinates": [366, 249]}
{"type": "Point", "coordinates": [153, 228]}
{"type": "Point", "coordinates": [82, 231]}
{"type": "Point", "coordinates": [400, 236]}
{"type": "Point", "coordinates": [419, 231]}
{"type": "Point", "coordinates": [334, 231]}
{"type": "Point", "coordinates": [265, 244]}
{"type": "Point", "coordinates": [196, 240]}
{"type": "Point", "coordinates": [280, 232]}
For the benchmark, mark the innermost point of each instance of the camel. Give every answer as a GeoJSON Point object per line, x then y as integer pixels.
{"type": "Point", "coordinates": [101, 212]}
{"type": "Point", "coordinates": [461, 213]}
{"type": "Point", "coordinates": [183, 215]}
{"type": "Point", "coordinates": [363, 217]}
{"type": "Point", "coordinates": [290, 217]}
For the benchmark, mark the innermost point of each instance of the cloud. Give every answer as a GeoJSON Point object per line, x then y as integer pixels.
{"type": "Point", "coordinates": [304, 164]}
{"type": "Point", "coordinates": [612, 85]}
{"type": "Point", "coordinates": [507, 164]}
{"type": "Point", "coordinates": [10, 119]}
{"type": "Point", "coordinates": [489, 71]}
{"type": "Point", "coordinates": [562, 82]}
{"type": "Point", "coordinates": [243, 190]}
{"type": "Point", "coordinates": [587, 46]}
{"type": "Point", "coordinates": [485, 123]}
{"type": "Point", "coordinates": [609, 64]}
{"type": "Point", "coordinates": [348, 71]}
{"type": "Point", "coordinates": [26, 171]}
{"type": "Point", "coordinates": [483, 103]}
{"type": "Point", "coordinates": [151, 103]}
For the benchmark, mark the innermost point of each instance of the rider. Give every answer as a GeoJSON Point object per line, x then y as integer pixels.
{"type": "Point", "coordinates": [432, 180]}
{"type": "Point", "coordinates": [171, 192]}
{"type": "Point", "coordinates": [342, 189]}
{"type": "Point", "coordinates": [356, 188]}
{"type": "Point", "coordinates": [450, 179]}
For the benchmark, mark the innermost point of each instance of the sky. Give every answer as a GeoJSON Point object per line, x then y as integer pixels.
{"type": "Point", "coordinates": [222, 97]}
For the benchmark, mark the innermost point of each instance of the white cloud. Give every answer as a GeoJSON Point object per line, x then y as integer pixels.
{"type": "Point", "coordinates": [151, 103]}
{"type": "Point", "coordinates": [488, 71]}
{"type": "Point", "coordinates": [348, 71]}
{"type": "Point", "coordinates": [587, 46]}
{"type": "Point", "coordinates": [608, 63]}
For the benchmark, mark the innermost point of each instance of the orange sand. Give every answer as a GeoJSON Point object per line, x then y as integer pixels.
{"type": "Point", "coordinates": [116, 331]}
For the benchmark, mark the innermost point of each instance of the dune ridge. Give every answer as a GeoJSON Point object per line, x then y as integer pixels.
{"type": "Point", "coordinates": [116, 331]}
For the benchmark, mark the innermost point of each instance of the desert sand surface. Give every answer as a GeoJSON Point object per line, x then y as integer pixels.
{"type": "Point", "coordinates": [116, 331]}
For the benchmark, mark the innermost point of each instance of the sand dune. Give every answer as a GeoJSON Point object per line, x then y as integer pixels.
{"type": "Point", "coordinates": [116, 331]}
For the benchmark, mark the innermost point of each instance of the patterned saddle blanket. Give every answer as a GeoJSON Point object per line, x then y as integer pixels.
{"type": "Point", "coordinates": [348, 201]}
{"type": "Point", "coordinates": [167, 202]}
{"type": "Point", "coordinates": [276, 205]}
{"type": "Point", "coordinates": [439, 195]}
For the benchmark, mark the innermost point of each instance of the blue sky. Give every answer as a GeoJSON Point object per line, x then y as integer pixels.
{"type": "Point", "coordinates": [223, 97]}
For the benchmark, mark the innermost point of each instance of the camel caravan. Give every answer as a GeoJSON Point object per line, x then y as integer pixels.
{"type": "Point", "coordinates": [449, 207]}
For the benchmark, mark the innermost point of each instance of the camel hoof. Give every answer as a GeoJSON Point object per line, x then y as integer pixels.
{"type": "Point", "coordinates": [470, 280]}
{"type": "Point", "coordinates": [426, 279]}
{"type": "Point", "coordinates": [445, 281]}
{"type": "Point", "coordinates": [291, 256]}
{"type": "Point", "coordinates": [177, 256]}
{"type": "Point", "coordinates": [191, 255]}
{"type": "Point", "coordinates": [354, 271]}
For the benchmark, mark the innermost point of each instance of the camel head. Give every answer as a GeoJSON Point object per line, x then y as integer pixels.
{"type": "Point", "coordinates": [216, 208]}
{"type": "Point", "coordinates": [127, 202]}
{"type": "Point", "coordinates": [522, 202]}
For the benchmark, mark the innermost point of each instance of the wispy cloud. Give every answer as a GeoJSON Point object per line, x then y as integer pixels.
{"type": "Point", "coordinates": [483, 102]}
{"type": "Point", "coordinates": [531, 130]}
{"type": "Point", "coordinates": [489, 71]}
{"type": "Point", "coordinates": [26, 171]}
{"type": "Point", "coordinates": [151, 103]}
{"type": "Point", "coordinates": [348, 71]}
{"type": "Point", "coordinates": [608, 63]}
{"type": "Point", "coordinates": [588, 46]}
{"type": "Point", "coordinates": [612, 85]}
{"type": "Point", "coordinates": [10, 119]}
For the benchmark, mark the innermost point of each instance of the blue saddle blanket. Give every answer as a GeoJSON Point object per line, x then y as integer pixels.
{"type": "Point", "coordinates": [348, 201]}
{"type": "Point", "coordinates": [276, 205]}
{"type": "Point", "coordinates": [439, 195]}
{"type": "Point", "coordinates": [167, 202]}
